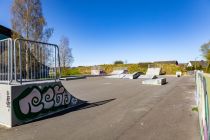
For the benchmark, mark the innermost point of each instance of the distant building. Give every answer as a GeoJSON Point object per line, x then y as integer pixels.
{"type": "Point", "coordinates": [144, 63]}
{"type": "Point", "coordinates": [39, 71]}
{"type": "Point", "coordinates": [183, 64]}
{"type": "Point", "coordinates": [201, 63]}
{"type": "Point", "coordinates": [167, 62]}
{"type": "Point", "coordinates": [5, 32]}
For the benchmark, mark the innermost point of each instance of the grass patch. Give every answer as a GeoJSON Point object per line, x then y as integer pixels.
{"type": "Point", "coordinates": [195, 109]}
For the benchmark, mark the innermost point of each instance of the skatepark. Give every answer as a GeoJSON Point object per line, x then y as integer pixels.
{"type": "Point", "coordinates": [117, 106]}
{"type": "Point", "coordinates": [119, 109]}
{"type": "Point", "coordinates": [34, 101]}
{"type": "Point", "coordinates": [104, 70]}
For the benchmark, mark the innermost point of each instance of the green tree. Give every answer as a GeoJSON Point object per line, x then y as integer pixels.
{"type": "Point", "coordinates": [118, 62]}
{"type": "Point", "coordinates": [205, 49]}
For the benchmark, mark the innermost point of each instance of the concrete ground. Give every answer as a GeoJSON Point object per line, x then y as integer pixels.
{"type": "Point", "coordinates": [120, 109]}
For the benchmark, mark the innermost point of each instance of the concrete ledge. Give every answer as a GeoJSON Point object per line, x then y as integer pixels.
{"type": "Point", "coordinates": [158, 81]}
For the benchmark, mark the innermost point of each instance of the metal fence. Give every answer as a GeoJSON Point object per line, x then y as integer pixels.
{"type": "Point", "coordinates": [26, 61]}
{"type": "Point", "coordinates": [5, 63]}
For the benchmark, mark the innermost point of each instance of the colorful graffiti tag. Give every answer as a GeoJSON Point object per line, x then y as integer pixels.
{"type": "Point", "coordinates": [202, 98]}
{"type": "Point", "coordinates": [34, 101]}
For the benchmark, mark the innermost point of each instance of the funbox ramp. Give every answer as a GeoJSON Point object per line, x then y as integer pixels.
{"type": "Point", "coordinates": [116, 76]}
{"type": "Point", "coordinates": [149, 76]}
{"type": "Point", "coordinates": [32, 101]}
{"type": "Point", "coordinates": [95, 72]}
{"type": "Point", "coordinates": [134, 75]}
{"type": "Point", "coordinates": [118, 72]}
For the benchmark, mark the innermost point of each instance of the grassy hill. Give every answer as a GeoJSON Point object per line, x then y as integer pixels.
{"type": "Point", "coordinates": [108, 68]}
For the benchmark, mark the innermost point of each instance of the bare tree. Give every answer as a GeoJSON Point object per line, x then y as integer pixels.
{"type": "Point", "coordinates": [28, 22]}
{"type": "Point", "coordinates": [66, 57]}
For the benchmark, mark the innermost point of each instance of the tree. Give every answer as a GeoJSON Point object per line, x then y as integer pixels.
{"type": "Point", "coordinates": [28, 22]}
{"type": "Point", "coordinates": [118, 62]}
{"type": "Point", "coordinates": [66, 57]}
{"type": "Point", "coordinates": [205, 49]}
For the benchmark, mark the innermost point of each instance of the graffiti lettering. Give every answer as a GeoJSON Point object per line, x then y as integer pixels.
{"type": "Point", "coordinates": [202, 98]}
{"type": "Point", "coordinates": [34, 101]}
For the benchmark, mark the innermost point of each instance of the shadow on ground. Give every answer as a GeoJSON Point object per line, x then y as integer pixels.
{"type": "Point", "coordinates": [85, 105]}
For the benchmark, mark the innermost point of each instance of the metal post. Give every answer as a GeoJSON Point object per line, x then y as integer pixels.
{"type": "Point", "coordinates": [15, 65]}
{"type": "Point", "coordinates": [55, 64]}
{"type": "Point", "coordinates": [20, 62]}
{"type": "Point", "coordinates": [11, 58]}
{"type": "Point", "coordinates": [8, 61]}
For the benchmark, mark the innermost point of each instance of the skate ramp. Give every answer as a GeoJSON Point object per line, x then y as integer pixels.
{"type": "Point", "coordinates": [153, 71]}
{"type": "Point", "coordinates": [118, 72]}
{"type": "Point", "coordinates": [97, 72]}
{"type": "Point", "coordinates": [119, 76]}
{"type": "Point", "coordinates": [134, 75]}
{"type": "Point", "coordinates": [33, 101]}
{"type": "Point", "coordinates": [149, 76]}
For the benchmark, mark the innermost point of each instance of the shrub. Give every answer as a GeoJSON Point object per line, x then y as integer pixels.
{"type": "Point", "coordinates": [118, 62]}
{"type": "Point", "coordinates": [69, 71]}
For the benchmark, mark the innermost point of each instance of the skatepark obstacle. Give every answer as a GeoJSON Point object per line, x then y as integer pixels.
{"type": "Point", "coordinates": [158, 81]}
{"type": "Point", "coordinates": [118, 73]}
{"type": "Point", "coordinates": [123, 74]}
{"type": "Point", "coordinates": [151, 73]}
{"type": "Point", "coordinates": [147, 76]}
{"type": "Point", "coordinates": [96, 70]}
{"type": "Point", "coordinates": [134, 75]}
{"type": "Point", "coordinates": [29, 82]}
{"type": "Point", "coordinates": [178, 74]}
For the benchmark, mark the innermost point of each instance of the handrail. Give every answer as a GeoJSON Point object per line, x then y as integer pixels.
{"type": "Point", "coordinates": [40, 66]}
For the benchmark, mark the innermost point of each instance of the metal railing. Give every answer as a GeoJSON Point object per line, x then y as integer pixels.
{"type": "Point", "coordinates": [5, 60]}
{"type": "Point", "coordinates": [28, 61]}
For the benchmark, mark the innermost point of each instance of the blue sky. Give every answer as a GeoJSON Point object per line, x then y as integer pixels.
{"type": "Point", "coordinates": [102, 31]}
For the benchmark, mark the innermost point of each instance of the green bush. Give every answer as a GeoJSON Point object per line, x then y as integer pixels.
{"type": "Point", "coordinates": [118, 62]}
{"type": "Point", "coordinates": [172, 68]}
